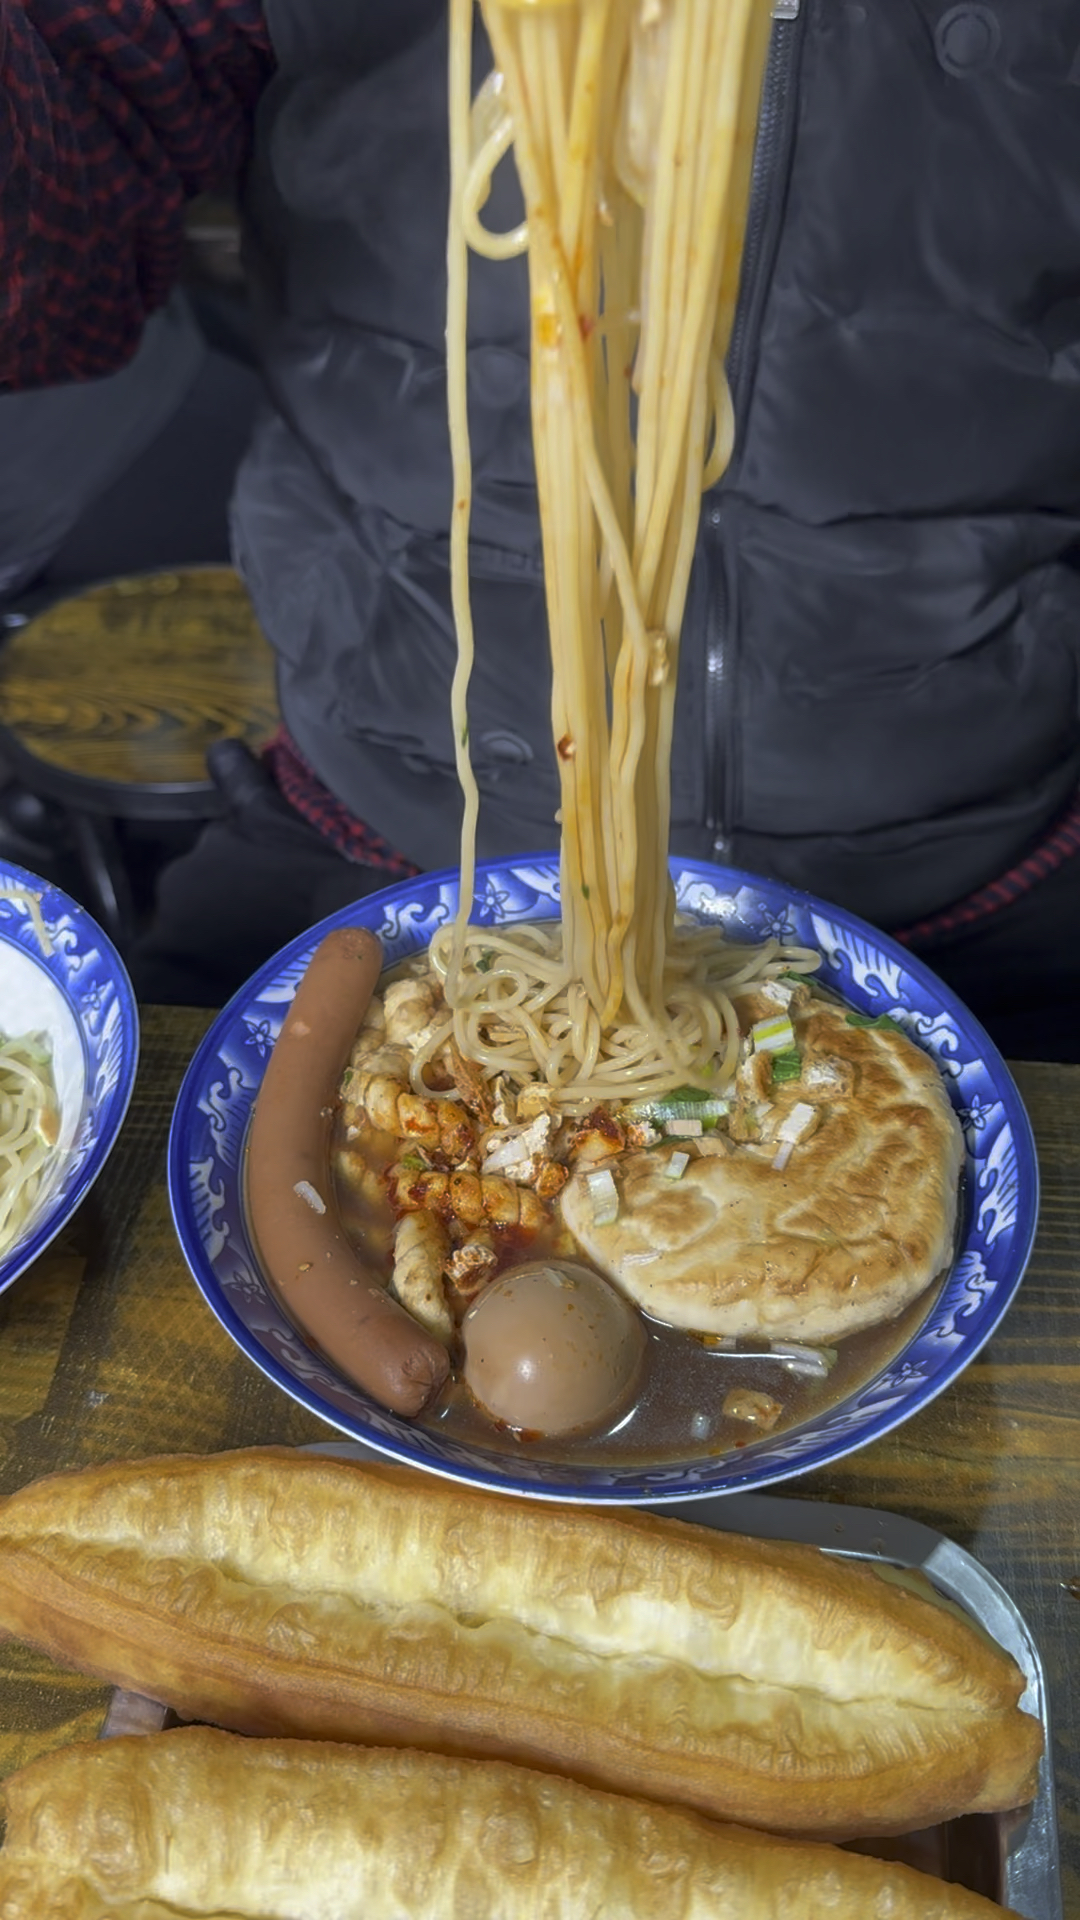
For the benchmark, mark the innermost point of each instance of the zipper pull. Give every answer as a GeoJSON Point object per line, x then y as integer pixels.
{"type": "Point", "coordinates": [786, 9]}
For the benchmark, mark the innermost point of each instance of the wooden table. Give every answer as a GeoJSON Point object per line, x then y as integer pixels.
{"type": "Point", "coordinates": [106, 1350]}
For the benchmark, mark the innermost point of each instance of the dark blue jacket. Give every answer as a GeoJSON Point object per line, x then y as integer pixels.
{"type": "Point", "coordinates": [878, 680]}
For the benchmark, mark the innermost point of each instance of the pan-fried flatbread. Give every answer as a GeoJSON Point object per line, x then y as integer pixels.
{"type": "Point", "coordinates": [853, 1228]}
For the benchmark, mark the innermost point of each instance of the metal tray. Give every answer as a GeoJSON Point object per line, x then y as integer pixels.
{"type": "Point", "coordinates": [1011, 1857]}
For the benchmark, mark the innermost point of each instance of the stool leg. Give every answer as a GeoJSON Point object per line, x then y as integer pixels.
{"type": "Point", "coordinates": [105, 873]}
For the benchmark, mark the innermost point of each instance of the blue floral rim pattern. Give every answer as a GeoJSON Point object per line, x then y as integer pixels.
{"type": "Point", "coordinates": [873, 973]}
{"type": "Point", "coordinates": [91, 979]}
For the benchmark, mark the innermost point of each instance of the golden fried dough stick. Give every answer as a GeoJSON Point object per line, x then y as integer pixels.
{"type": "Point", "coordinates": [283, 1592]}
{"type": "Point", "coordinates": [195, 1823]}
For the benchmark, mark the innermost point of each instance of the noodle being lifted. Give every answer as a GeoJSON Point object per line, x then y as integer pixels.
{"type": "Point", "coordinates": [632, 123]}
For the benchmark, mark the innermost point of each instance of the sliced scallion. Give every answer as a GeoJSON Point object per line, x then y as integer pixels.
{"type": "Point", "coordinates": [884, 1022]}
{"type": "Point", "coordinates": [786, 1066]}
{"type": "Point", "coordinates": [794, 1124]}
{"type": "Point", "coordinates": [604, 1195]}
{"type": "Point", "coordinates": [667, 1107]}
{"type": "Point", "coordinates": [305, 1191]}
{"type": "Point", "coordinates": [775, 1035]}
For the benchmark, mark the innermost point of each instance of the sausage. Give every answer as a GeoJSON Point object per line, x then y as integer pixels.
{"type": "Point", "coordinates": [328, 1292]}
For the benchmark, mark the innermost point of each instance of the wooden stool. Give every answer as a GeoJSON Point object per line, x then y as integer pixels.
{"type": "Point", "coordinates": [110, 700]}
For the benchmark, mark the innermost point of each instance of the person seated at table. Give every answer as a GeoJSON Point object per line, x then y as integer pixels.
{"type": "Point", "coordinates": [879, 668]}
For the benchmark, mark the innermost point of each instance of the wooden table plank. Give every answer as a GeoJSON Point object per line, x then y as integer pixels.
{"type": "Point", "coordinates": [106, 1350]}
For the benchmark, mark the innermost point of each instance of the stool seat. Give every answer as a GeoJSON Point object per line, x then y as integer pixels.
{"type": "Point", "coordinates": [110, 699]}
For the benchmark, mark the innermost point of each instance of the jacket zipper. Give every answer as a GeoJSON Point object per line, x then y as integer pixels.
{"type": "Point", "coordinates": [764, 214]}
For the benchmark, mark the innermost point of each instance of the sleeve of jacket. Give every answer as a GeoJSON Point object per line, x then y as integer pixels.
{"type": "Point", "coordinates": [112, 114]}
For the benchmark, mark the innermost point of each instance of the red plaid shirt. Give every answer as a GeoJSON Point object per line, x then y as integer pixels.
{"type": "Point", "coordinates": [112, 114]}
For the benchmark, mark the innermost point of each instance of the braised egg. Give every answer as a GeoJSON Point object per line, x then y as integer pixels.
{"type": "Point", "coordinates": [551, 1347]}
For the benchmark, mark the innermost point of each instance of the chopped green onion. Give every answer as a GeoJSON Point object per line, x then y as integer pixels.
{"type": "Point", "coordinates": [670, 1108]}
{"type": "Point", "coordinates": [795, 1123]}
{"type": "Point", "coordinates": [414, 1162]}
{"type": "Point", "coordinates": [791, 1129]}
{"type": "Point", "coordinates": [776, 1035]}
{"type": "Point", "coordinates": [305, 1191]}
{"type": "Point", "coordinates": [883, 1021]}
{"type": "Point", "coordinates": [486, 961]}
{"type": "Point", "coordinates": [605, 1197]}
{"type": "Point", "coordinates": [786, 1066]}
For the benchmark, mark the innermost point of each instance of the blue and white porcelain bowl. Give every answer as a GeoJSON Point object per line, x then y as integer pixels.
{"type": "Point", "coordinates": [73, 988]}
{"type": "Point", "coordinates": [870, 971]}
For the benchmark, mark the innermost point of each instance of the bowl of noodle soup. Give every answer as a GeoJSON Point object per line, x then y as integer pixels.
{"type": "Point", "coordinates": [874, 976]}
{"type": "Point", "coordinates": [68, 1053]}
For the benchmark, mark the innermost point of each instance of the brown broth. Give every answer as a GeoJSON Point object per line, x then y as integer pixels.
{"type": "Point", "coordinates": [676, 1414]}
